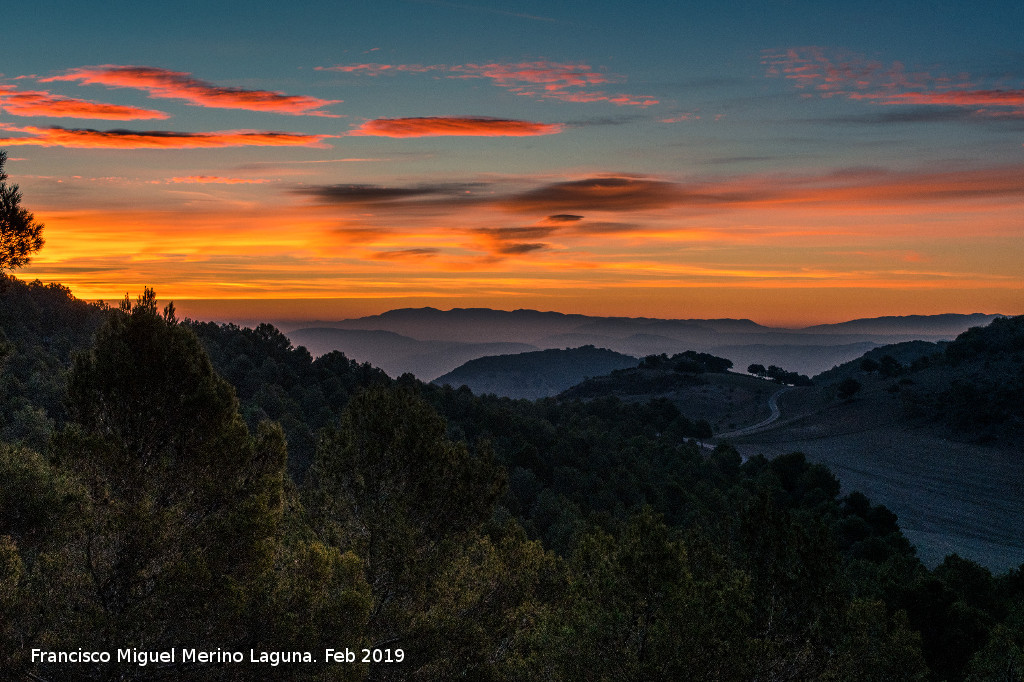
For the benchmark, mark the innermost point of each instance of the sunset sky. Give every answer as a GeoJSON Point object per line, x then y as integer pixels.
{"type": "Point", "coordinates": [790, 162]}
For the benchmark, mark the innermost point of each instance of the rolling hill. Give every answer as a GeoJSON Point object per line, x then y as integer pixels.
{"type": "Point", "coordinates": [933, 433]}
{"type": "Point", "coordinates": [537, 374]}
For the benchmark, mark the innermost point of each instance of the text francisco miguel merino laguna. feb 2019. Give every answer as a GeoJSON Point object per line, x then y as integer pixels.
{"type": "Point", "coordinates": [273, 658]}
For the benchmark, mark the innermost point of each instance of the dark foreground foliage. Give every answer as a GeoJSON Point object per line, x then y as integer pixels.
{"type": "Point", "coordinates": [487, 538]}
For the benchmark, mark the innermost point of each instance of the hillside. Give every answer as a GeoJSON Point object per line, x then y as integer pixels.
{"type": "Point", "coordinates": [921, 326]}
{"type": "Point", "coordinates": [41, 327]}
{"type": "Point", "coordinates": [905, 354]}
{"type": "Point", "coordinates": [933, 430]}
{"type": "Point", "coordinates": [700, 385]}
{"type": "Point", "coordinates": [537, 374]}
{"type": "Point", "coordinates": [177, 459]}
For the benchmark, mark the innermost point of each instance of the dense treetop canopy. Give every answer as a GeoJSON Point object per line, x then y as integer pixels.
{"type": "Point", "coordinates": [147, 501]}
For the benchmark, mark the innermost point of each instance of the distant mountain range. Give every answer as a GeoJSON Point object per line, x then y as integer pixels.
{"type": "Point", "coordinates": [429, 343]}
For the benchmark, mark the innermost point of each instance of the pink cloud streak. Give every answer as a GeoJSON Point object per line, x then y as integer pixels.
{"type": "Point", "coordinates": [166, 84]}
{"type": "Point", "coordinates": [565, 82]}
{"type": "Point", "coordinates": [854, 77]}
{"type": "Point", "coordinates": [85, 138]}
{"type": "Point", "coordinates": [471, 126]}
{"type": "Point", "coordinates": [40, 103]}
{"type": "Point", "coordinates": [216, 180]}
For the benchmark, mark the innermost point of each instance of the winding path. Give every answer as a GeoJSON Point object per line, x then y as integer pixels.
{"type": "Point", "coordinates": [773, 405]}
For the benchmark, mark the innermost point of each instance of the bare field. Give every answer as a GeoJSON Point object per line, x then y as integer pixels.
{"type": "Point", "coordinates": [949, 496]}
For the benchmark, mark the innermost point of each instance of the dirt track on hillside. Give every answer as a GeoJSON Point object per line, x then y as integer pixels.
{"type": "Point", "coordinates": [949, 496]}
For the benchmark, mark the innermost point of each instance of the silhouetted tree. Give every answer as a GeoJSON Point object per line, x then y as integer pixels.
{"type": "Point", "coordinates": [848, 388]}
{"type": "Point", "coordinates": [868, 365]}
{"type": "Point", "coordinates": [179, 539]}
{"type": "Point", "coordinates": [20, 234]}
{"type": "Point", "coordinates": [889, 366]}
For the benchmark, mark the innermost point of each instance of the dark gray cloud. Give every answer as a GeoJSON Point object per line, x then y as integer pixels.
{"type": "Point", "coordinates": [379, 194]}
{"type": "Point", "coordinates": [516, 249]}
{"type": "Point", "coordinates": [506, 233]}
{"type": "Point", "coordinates": [622, 193]}
{"type": "Point", "coordinates": [602, 194]}
{"type": "Point", "coordinates": [405, 253]}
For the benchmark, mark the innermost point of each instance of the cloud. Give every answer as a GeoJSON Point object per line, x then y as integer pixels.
{"type": "Point", "coordinates": [512, 241]}
{"type": "Point", "coordinates": [216, 180]}
{"type": "Point", "coordinates": [516, 233]}
{"type": "Point", "coordinates": [41, 103]}
{"type": "Point", "coordinates": [166, 84]}
{"type": "Point", "coordinates": [919, 186]}
{"type": "Point", "coordinates": [378, 194]}
{"type": "Point", "coordinates": [462, 126]}
{"type": "Point", "coordinates": [550, 76]}
{"type": "Point", "coordinates": [567, 82]}
{"type": "Point", "coordinates": [842, 188]}
{"type": "Point", "coordinates": [405, 254]}
{"type": "Point", "coordinates": [553, 80]}
{"type": "Point", "coordinates": [598, 96]}
{"type": "Point", "coordinates": [599, 194]}
{"type": "Point", "coordinates": [831, 74]}
{"type": "Point", "coordinates": [981, 100]}
{"type": "Point", "coordinates": [679, 118]}
{"type": "Point", "coordinates": [519, 249]}
{"type": "Point", "coordinates": [556, 209]}
{"type": "Point", "coordinates": [86, 138]}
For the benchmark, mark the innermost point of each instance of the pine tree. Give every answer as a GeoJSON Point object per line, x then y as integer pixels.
{"type": "Point", "coordinates": [20, 234]}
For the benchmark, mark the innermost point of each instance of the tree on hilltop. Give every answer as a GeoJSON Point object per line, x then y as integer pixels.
{"type": "Point", "coordinates": [20, 234]}
{"type": "Point", "coordinates": [848, 388]}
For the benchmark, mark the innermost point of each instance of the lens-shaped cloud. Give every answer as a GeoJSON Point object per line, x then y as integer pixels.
{"type": "Point", "coordinates": [40, 103]}
{"type": "Point", "coordinates": [379, 194]}
{"type": "Point", "coordinates": [215, 180]}
{"type": "Point", "coordinates": [166, 84]}
{"type": "Point", "coordinates": [597, 194]}
{"type": "Point", "coordinates": [87, 138]}
{"type": "Point", "coordinates": [455, 126]}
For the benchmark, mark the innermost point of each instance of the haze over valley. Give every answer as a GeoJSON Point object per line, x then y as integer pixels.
{"type": "Point", "coordinates": [428, 342]}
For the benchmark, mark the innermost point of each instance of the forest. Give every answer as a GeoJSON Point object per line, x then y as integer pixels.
{"type": "Point", "coordinates": [176, 485]}
{"type": "Point", "coordinates": [176, 493]}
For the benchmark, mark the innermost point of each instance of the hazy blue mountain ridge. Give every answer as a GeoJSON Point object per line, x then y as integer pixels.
{"type": "Point", "coordinates": [434, 342]}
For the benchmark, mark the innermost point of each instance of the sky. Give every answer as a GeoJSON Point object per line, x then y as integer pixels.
{"type": "Point", "coordinates": [788, 162]}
